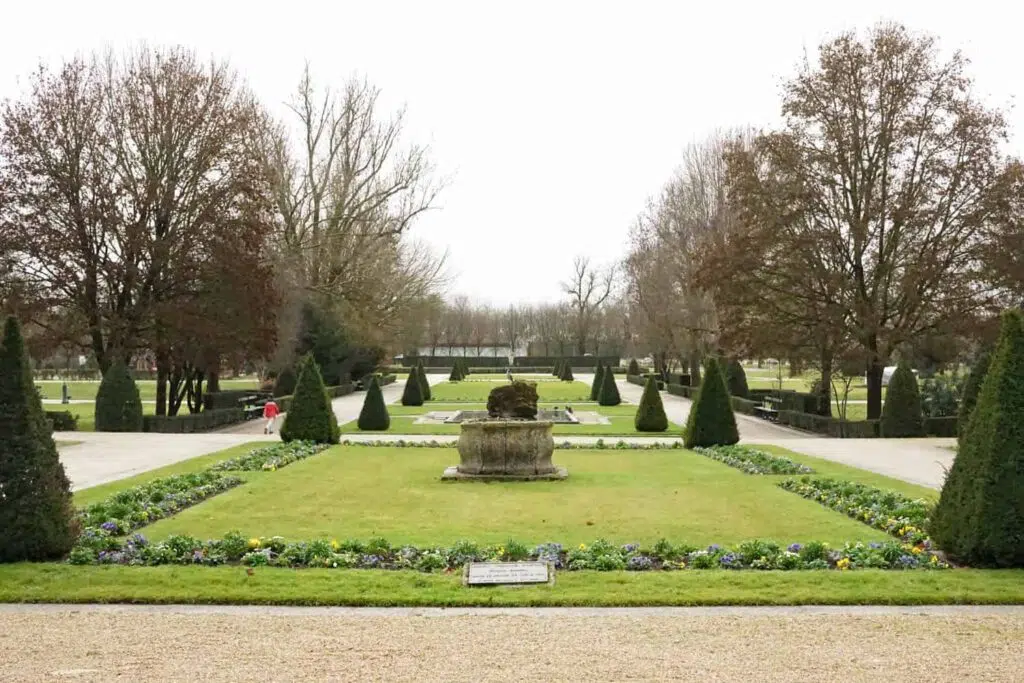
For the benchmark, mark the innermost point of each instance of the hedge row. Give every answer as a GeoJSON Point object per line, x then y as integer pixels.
{"type": "Point", "coordinates": [641, 380]}
{"type": "Point", "coordinates": [229, 398]}
{"type": "Point", "coordinates": [520, 363]}
{"type": "Point", "coordinates": [193, 422]}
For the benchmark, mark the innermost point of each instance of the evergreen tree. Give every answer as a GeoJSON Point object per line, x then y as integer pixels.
{"type": "Point", "coordinates": [464, 367]}
{"type": "Point", "coordinates": [118, 407]}
{"type": "Point", "coordinates": [901, 414]}
{"type": "Point", "coordinates": [650, 414]}
{"type": "Point", "coordinates": [456, 373]}
{"type": "Point", "coordinates": [972, 387]}
{"type": "Point", "coordinates": [413, 393]}
{"type": "Point", "coordinates": [37, 521]}
{"type": "Point", "coordinates": [737, 379]}
{"type": "Point", "coordinates": [595, 386]}
{"type": "Point", "coordinates": [424, 383]}
{"type": "Point", "coordinates": [711, 421]}
{"type": "Point", "coordinates": [566, 375]}
{"type": "Point", "coordinates": [609, 395]}
{"type": "Point", "coordinates": [374, 415]}
{"type": "Point", "coordinates": [284, 385]}
{"type": "Point", "coordinates": [310, 416]}
{"type": "Point", "coordinates": [979, 519]}
{"type": "Point", "coordinates": [634, 367]}
{"type": "Point", "coordinates": [557, 370]}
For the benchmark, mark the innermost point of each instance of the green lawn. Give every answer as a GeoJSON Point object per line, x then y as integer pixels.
{"type": "Point", "coordinates": [225, 585]}
{"type": "Point", "coordinates": [477, 392]}
{"type": "Point", "coordinates": [624, 496]}
{"type": "Point", "coordinates": [147, 388]}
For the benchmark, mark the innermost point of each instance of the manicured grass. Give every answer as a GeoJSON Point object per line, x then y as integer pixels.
{"type": "Point", "coordinates": [95, 494]}
{"type": "Point", "coordinates": [147, 388]}
{"type": "Point", "coordinates": [620, 426]}
{"type": "Point", "coordinates": [477, 392]}
{"type": "Point", "coordinates": [226, 585]}
{"type": "Point", "coordinates": [624, 496]}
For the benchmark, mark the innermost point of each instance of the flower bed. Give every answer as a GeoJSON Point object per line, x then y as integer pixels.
{"type": "Point", "coordinates": [270, 458]}
{"type": "Point", "coordinates": [892, 512]}
{"type": "Point", "coordinates": [753, 461]}
{"type": "Point", "coordinates": [101, 547]}
{"type": "Point", "coordinates": [141, 505]}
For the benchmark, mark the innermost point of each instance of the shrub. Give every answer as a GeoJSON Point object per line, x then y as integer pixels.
{"type": "Point", "coordinates": [424, 383]}
{"type": "Point", "coordinates": [650, 414]}
{"type": "Point", "coordinates": [62, 420]}
{"type": "Point", "coordinates": [736, 379]}
{"type": "Point", "coordinates": [595, 386]}
{"type": "Point", "coordinates": [196, 422]}
{"type": "Point", "coordinates": [901, 414]}
{"type": "Point", "coordinates": [413, 393]}
{"type": "Point", "coordinates": [284, 385]}
{"type": "Point", "coordinates": [979, 519]}
{"type": "Point", "coordinates": [566, 375]}
{"type": "Point", "coordinates": [37, 521]}
{"type": "Point", "coordinates": [609, 395]}
{"type": "Point", "coordinates": [515, 400]}
{"type": "Point", "coordinates": [456, 373]}
{"type": "Point", "coordinates": [940, 396]}
{"type": "Point", "coordinates": [556, 371]}
{"type": "Point", "coordinates": [118, 406]}
{"type": "Point", "coordinates": [374, 415]}
{"type": "Point", "coordinates": [310, 416]}
{"type": "Point", "coordinates": [711, 421]}
{"type": "Point", "coordinates": [634, 367]}
{"type": "Point", "coordinates": [973, 386]}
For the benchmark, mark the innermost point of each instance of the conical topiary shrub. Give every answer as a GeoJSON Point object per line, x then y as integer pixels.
{"type": "Point", "coordinates": [310, 416]}
{"type": "Point", "coordinates": [711, 421]}
{"type": "Point", "coordinates": [284, 384]}
{"type": "Point", "coordinates": [595, 386]}
{"type": "Point", "coordinates": [118, 406]}
{"type": "Point", "coordinates": [413, 393]}
{"type": "Point", "coordinates": [609, 395]}
{"type": "Point", "coordinates": [37, 520]}
{"type": "Point", "coordinates": [979, 519]}
{"type": "Point", "coordinates": [557, 370]}
{"type": "Point", "coordinates": [972, 387]}
{"type": "Point", "coordinates": [464, 368]}
{"type": "Point", "coordinates": [424, 384]}
{"type": "Point", "coordinates": [650, 414]}
{"type": "Point", "coordinates": [374, 415]}
{"type": "Point", "coordinates": [566, 375]}
{"type": "Point", "coordinates": [634, 367]}
{"type": "Point", "coordinates": [456, 373]}
{"type": "Point", "coordinates": [737, 379]}
{"type": "Point", "coordinates": [901, 413]}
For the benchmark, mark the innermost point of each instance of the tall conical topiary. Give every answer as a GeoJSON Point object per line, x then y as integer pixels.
{"type": "Point", "coordinates": [737, 379]}
{"type": "Point", "coordinates": [901, 414]}
{"type": "Point", "coordinates": [979, 519]}
{"type": "Point", "coordinates": [374, 415]}
{"type": "Point", "coordinates": [609, 395]}
{"type": "Point", "coordinates": [595, 386]}
{"type": "Point", "coordinates": [972, 387]}
{"type": "Point", "coordinates": [711, 421]}
{"type": "Point", "coordinates": [118, 407]}
{"type": "Point", "coordinates": [566, 375]}
{"type": "Point", "coordinates": [456, 373]}
{"type": "Point", "coordinates": [413, 393]}
{"type": "Point", "coordinates": [37, 520]}
{"type": "Point", "coordinates": [424, 384]}
{"type": "Point", "coordinates": [634, 367]}
{"type": "Point", "coordinates": [310, 416]}
{"type": "Point", "coordinates": [464, 368]}
{"type": "Point", "coordinates": [650, 414]}
{"type": "Point", "coordinates": [557, 370]}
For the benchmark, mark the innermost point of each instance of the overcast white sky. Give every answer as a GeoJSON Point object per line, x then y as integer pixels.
{"type": "Point", "coordinates": [555, 120]}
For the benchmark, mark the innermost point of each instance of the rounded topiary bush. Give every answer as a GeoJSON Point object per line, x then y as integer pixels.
{"type": "Point", "coordinates": [310, 416]}
{"type": "Point", "coordinates": [595, 386]}
{"type": "Point", "coordinates": [284, 384]}
{"type": "Point", "coordinates": [979, 519]}
{"type": "Point", "coordinates": [634, 367]}
{"type": "Point", "coordinates": [609, 395]}
{"type": "Point", "coordinates": [37, 520]}
{"type": "Point", "coordinates": [737, 379]}
{"type": "Point", "coordinates": [711, 421]}
{"type": "Point", "coordinates": [650, 414]}
{"type": "Point", "coordinates": [374, 415]}
{"type": "Point", "coordinates": [118, 406]}
{"type": "Point", "coordinates": [413, 393]}
{"type": "Point", "coordinates": [901, 414]}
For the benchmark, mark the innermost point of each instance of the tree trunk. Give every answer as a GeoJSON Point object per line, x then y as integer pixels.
{"type": "Point", "coordinates": [694, 369]}
{"type": "Point", "coordinates": [875, 368]}
{"type": "Point", "coordinates": [213, 381]}
{"type": "Point", "coordinates": [162, 371]}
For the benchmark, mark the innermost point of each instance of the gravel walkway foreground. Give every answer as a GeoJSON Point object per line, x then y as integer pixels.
{"type": "Point", "coordinates": [169, 645]}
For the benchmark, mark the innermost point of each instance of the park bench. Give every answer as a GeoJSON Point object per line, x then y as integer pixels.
{"type": "Point", "coordinates": [769, 408]}
{"type": "Point", "coordinates": [252, 405]}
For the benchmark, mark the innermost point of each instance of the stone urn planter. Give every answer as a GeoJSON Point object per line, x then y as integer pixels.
{"type": "Point", "coordinates": [505, 450]}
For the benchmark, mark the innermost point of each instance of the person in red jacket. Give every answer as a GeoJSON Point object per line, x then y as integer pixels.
{"type": "Point", "coordinates": [270, 413]}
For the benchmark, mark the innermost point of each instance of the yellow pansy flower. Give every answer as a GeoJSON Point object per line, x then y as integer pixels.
{"type": "Point", "coordinates": [254, 543]}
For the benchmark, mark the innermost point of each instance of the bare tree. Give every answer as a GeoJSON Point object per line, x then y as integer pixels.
{"type": "Point", "coordinates": [588, 289]}
{"type": "Point", "coordinates": [512, 326]}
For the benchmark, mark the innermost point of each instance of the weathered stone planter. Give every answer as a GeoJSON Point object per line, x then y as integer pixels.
{"type": "Point", "coordinates": [505, 450]}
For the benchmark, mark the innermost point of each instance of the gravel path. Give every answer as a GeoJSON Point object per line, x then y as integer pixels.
{"type": "Point", "coordinates": [167, 645]}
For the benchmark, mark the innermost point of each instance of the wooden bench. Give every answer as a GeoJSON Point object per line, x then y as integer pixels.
{"type": "Point", "coordinates": [252, 406]}
{"type": "Point", "coordinates": [769, 408]}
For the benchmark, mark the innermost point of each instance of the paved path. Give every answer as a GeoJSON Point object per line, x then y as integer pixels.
{"type": "Point", "coordinates": [219, 644]}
